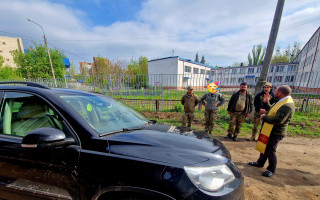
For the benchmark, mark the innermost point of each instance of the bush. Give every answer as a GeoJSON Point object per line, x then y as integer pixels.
{"type": "Point", "coordinates": [178, 107]}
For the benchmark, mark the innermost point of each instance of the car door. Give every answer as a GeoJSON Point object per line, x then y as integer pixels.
{"type": "Point", "coordinates": [33, 173]}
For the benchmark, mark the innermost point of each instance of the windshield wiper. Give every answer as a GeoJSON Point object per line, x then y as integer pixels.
{"type": "Point", "coordinates": [120, 131]}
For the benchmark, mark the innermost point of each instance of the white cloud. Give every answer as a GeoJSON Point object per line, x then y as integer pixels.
{"type": "Point", "coordinates": [222, 31]}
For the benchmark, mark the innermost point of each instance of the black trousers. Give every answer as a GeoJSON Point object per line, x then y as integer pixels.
{"type": "Point", "coordinates": [270, 153]}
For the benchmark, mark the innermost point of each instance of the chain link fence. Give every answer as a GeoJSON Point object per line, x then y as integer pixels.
{"type": "Point", "coordinates": [163, 92]}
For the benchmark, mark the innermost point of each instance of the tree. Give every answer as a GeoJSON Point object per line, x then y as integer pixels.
{"type": "Point", "coordinates": [7, 72]}
{"type": "Point", "coordinates": [237, 64]}
{"type": "Point", "coordinates": [287, 55]}
{"type": "Point", "coordinates": [197, 58]}
{"type": "Point", "coordinates": [72, 70]}
{"type": "Point", "coordinates": [35, 63]}
{"type": "Point", "coordinates": [203, 61]}
{"type": "Point", "coordinates": [138, 67]}
{"type": "Point", "coordinates": [292, 53]}
{"type": "Point", "coordinates": [257, 55]}
{"type": "Point", "coordinates": [104, 66]}
{"type": "Point", "coordinates": [1, 60]}
{"type": "Point", "coordinates": [279, 57]}
{"type": "Point", "coordinates": [139, 70]}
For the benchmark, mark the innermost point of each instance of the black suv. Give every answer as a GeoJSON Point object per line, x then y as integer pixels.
{"type": "Point", "coordinates": [69, 144]}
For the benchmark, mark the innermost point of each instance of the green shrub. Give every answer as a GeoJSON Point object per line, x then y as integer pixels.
{"type": "Point", "coordinates": [178, 107]}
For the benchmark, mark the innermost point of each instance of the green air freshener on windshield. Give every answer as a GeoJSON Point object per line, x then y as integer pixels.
{"type": "Point", "coordinates": [89, 107]}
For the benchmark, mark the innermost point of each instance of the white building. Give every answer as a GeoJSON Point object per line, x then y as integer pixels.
{"type": "Point", "coordinates": [7, 46]}
{"type": "Point", "coordinates": [309, 65]}
{"type": "Point", "coordinates": [279, 74]}
{"type": "Point", "coordinates": [177, 73]}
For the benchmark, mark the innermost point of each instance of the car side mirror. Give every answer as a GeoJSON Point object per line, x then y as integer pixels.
{"type": "Point", "coordinates": [46, 137]}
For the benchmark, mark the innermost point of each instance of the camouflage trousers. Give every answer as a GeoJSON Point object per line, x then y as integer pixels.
{"type": "Point", "coordinates": [236, 120]}
{"type": "Point", "coordinates": [256, 122]}
{"type": "Point", "coordinates": [187, 117]}
{"type": "Point", "coordinates": [210, 117]}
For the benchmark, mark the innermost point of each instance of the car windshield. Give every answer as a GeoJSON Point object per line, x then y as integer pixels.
{"type": "Point", "coordinates": [105, 114]}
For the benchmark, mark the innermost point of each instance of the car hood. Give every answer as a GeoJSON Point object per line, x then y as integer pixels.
{"type": "Point", "coordinates": [173, 148]}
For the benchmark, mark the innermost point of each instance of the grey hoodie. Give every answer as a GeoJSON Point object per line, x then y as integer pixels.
{"type": "Point", "coordinates": [215, 98]}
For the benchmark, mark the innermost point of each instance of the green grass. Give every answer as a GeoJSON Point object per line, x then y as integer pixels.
{"type": "Point", "coordinates": [307, 125]}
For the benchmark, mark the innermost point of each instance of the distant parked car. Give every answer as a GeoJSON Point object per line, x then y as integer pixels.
{"type": "Point", "coordinates": [68, 144]}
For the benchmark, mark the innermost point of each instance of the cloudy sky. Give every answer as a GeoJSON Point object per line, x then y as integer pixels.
{"type": "Point", "coordinates": [223, 31]}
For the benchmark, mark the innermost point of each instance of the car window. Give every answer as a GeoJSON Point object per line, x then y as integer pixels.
{"type": "Point", "coordinates": [103, 113]}
{"type": "Point", "coordinates": [22, 113]}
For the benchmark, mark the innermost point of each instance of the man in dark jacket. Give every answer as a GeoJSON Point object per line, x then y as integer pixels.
{"type": "Point", "coordinates": [189, 101]}
{"type": "Point", "coordinates": [259, 108]}
{"type": "Point", "coordinates": [239, 107]}
{"type": "Point", "coordinates": [278, 117]}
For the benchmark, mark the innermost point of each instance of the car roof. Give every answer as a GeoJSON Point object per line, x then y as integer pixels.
{"type": "Point", "coordinates": [39, 88]}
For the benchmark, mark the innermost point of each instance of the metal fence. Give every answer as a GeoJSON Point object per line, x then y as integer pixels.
{"type": "Point", "coordinates": [163, 92]}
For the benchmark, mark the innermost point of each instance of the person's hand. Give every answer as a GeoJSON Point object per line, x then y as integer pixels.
{"type": "Point", "coordinates": [266, 98]}
{"type": "Point", "coordinates": [262, 111]}
{"type": "Point", "coordinates": [247, 115]}
{"type": "Point", "coordinates": [214, 104]}
{"type": "Point", "coordinates": [229, 112]}
{"type": "Point", "coordinates": [261, 117]}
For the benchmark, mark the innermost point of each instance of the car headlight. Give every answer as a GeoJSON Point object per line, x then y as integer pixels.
{"type": "Point", "coordinates": [210, 178]}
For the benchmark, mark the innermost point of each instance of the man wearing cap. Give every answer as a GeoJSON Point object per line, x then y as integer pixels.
{"type": "Point", "coordinates": [260, 109]}
{"type": "Point", "coordinates": [189, 101]}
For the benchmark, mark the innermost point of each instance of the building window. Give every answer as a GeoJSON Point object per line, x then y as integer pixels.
{"type": "Point", "coordinates": [278, 79]}
{"type": "Point", "coordinates": [271, 69]}
{"type": "Point", "coordinates": [242, 71]}
{"type": "Point", "coordinates": [287, 79]}
{"type": "Point", "coordinates": [10, 51]}
{"type": "Point", "coordinates": [292, 79]}
{"type": "Point", "coordinates": [279, 68]}
{"type": "Point", "coordinates": [305, 76]}
{"type": "Point", "coordinates": [208, 72]}
{"type": "Point", "coordinates": [240, 80]}
{"type": "Point", "coordinates": [187, 69]}
{"type": "Point", "coordinates": [7, 59]}
{"type": "Point", "coordinates": [213, 73]}
{"type": "Point", "coordinates": [269, 79]}
{"type": "Point", "coordinates": [202, 71]}
{"type": "Point", "coordinates": [257, 79]}
{"type": "Point", "coordinates": [226, 71]}
{"type": "Point", "coordinates": [0, 51]}
{"type": "Point", "coordinates": [196, 70]}
{"type": "Point", "coordinates": [232, 80]}
{"type": "Point", "coordinates": [234, 71]}
{"type": "Point", "coordinates": [250, 70]}
{"type": "Point", "coordinates": [226, 80]}
{"type": "Point", "coordinates": [292, 68]}
{"type": "Point", "coordinates": [3, 42]}
{"type": "Point", "coordinates": [259, 69]}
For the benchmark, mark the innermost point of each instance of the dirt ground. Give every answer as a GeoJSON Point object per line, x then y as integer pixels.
{"type": "Point", "coordinates": [298, 169]}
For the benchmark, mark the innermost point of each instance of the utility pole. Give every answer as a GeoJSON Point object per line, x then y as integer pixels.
{"type": "Point", "coordinates": [45, 41]}
{"type": "Point", "coordinates": [270, 47]}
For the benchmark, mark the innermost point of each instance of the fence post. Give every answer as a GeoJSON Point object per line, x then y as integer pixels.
{"type": "Point", "coordinates": [65, 80]}
{"type": "Point", "coordinates": [157, 104]}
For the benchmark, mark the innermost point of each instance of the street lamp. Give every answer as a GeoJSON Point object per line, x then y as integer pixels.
{"type": "Point", "coordinates": [45, 41]}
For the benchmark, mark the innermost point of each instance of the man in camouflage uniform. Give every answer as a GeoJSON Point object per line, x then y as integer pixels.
{"type": "Point", "coordinates": [211, 101]}
{"type": "Point", "coordinates": [189, 101]}
{"type": "Point", "coordinates": [239, 107]}
{"type": "Point", "coordinates": [259, 108]}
